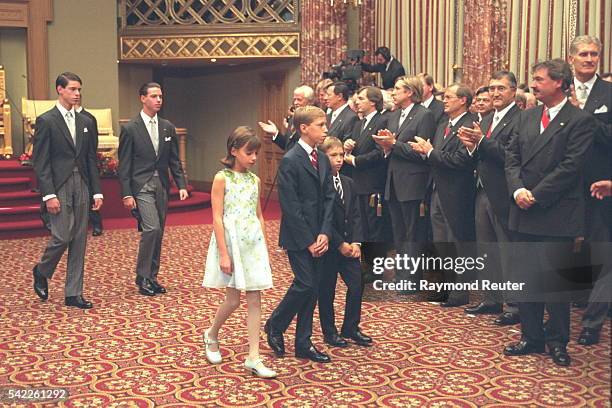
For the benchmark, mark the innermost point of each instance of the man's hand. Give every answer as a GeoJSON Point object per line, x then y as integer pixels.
{"type": "Point", "coordinates": [349, 159]}
{"type": "Point", "coordinates": [385, 139]}
{"type": "Point", "coordinates": [183, 194]}
{"type": "Point", "coordinates": [346, 249]}
{"type": "Point", "coordinates": [129, 203]}
{"type": "Point", "coordinates": [421, 145]}
{"type": "Point", "coordinates": [572, 96]}
{"type": "Point", "coordinates": [320, 246]}
{"type": "Point", "coordinates": [525, 199]}
{"type": "Point", "coordinates": [270, 128]}
{"type": "Point", "coordinates": [349, 145]}
{"type": "Point", "coordinates": [225, 263]}
{"type": "Point", "coordinates": [470, 137]}
{"type": "Point", "coordinates": [601, 189]}
{"type": "Point", "coordinates": [97, 204]}
{"type": "Point", "coordinates": [356, 251]}
{"type": "Point", "coordinates": [53, 206]}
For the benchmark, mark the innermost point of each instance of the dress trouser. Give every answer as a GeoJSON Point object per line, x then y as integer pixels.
{"type": "Point", "coordinates": [300, 299]}
{"type": "Point", "coordinates": [152, 202]}
{"type": "Point", "coordinates": [68, 231]}
{"type": "Point", "coordinates": [350, 272]}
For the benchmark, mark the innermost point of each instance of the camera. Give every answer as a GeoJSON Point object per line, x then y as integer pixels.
{"type": "Point", "coordinates": [348, 71]}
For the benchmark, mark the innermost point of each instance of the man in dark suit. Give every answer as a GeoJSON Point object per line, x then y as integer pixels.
{"type": "Point", "coordinates": [148, 148]}
{"type": "Point", "coordinates": [369, 170]}
{"type": "Point", "coordinates": [545, 163]}
{"type": "Point", "coordinates": [390, 69]}
{"type": "Point", "coordinates": [302, 96]}
{"type": "Point", "coordinates": [429, 100]}
{"type": "Point", "coordinates": [64, 159]}
{"type": "Point", "coordinates": [94, 215]}
{"type": "Point", "coordinates": [594, 96]}
{"type": "Point", "coordinates": [408, 171]}
{"type": "Point", "coordinates": [342, 257]}
{"type": "Point", "coordinates": [487, 144]}
{"type": "Point", "coordinates": [306, 196]}
{"type": "Point", "coordinates": [452, 181]}
{"type": "Point", "coordinates": [341, 120]}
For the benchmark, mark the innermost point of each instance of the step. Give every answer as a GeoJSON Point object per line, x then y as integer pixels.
{"type": "Point", "coordinates": [13, 168]}
{"type": "Point", "coordinates": [8, 184]}
{"type": "Point", "coordinates": [15, 198]}
{"type": "Point", "coordinates": [19, 213]}
{"type": "Point", "coordinates": [196, 200]}
{"type": "Point", "coordinates": [22, 229]}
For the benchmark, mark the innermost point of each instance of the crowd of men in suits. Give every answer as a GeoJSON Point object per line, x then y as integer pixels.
{"type": "Point", "coordinates": [486, 171]}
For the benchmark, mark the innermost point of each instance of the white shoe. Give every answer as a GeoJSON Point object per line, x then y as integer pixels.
{"type": "Point", "coordinates": [258, 368]}
{"type": "Point", "coordinates": [213, 357]}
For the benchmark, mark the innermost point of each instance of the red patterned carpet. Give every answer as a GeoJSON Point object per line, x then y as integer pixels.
{"type": "Point", "coordinates": [135, 351]}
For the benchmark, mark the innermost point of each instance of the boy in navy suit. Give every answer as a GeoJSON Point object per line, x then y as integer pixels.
{"type": "Point", "coordinates": [306, 196]}
{"type": "Point", "coordinates": [343, 257]}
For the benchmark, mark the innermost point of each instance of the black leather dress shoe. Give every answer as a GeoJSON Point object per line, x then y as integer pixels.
{"type": "Point", "coordinates": [275, 340]}
{"type": "Point", "coordinates": [359, 338]}
{"type": "Point", "coordinates": [41, 287]}
{"type": "Point", "coordinates": [157, 288]}
{"type": "Point", "coordinates": [483, 308]}
{"type": "Point", "coordinates": [507, 319]}
{"type": "Point", "coordinates": [78, 301]}
{"type": "Point", "coordinates": [454, 303]}
{"type": "Point", "coordinates": [313, 354]}
{"type": "Point", "coordinates": [146, 288]}
{"type": "Point", "coordinates": [522, 348]}
{"type": "Point", "coordinates": [588, 337]}
{"type": "Point", "coordinates": [335, 340]}
{"type": "Point", "coordinates": [560, 356]}
{"type": "Point", "coordinates": [96, 232]}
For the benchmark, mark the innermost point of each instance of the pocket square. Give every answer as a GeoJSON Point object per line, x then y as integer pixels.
{"type": "Point", "coordinates": [85, 130]}
{"type": "Point", "coordinates": [601, 109]}
{"type": "Point", "coordinates": [167, 139]}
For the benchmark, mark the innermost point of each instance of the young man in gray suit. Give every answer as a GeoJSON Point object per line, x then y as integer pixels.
{"type": "Point", "coordinates": [148, 148]}
{"type": "Point", "coordinates": [64, 159]}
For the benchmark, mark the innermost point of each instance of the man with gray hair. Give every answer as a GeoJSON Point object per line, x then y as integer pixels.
{"type": "Point", "coordinates": [545, 166]}
{"type": "Point", "coordinates": [594, 96]}
{"type": "Point", "coordinates": [303, 95]}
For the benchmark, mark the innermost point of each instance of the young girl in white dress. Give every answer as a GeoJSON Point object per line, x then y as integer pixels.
{"type": "Point", "coordinates": [238, 256]}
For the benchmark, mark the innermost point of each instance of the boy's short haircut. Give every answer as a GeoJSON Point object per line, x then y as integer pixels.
{"type": "Point", "coordinates": [306, 115]}
{"type": "Point", "coordinates": [330, 142]}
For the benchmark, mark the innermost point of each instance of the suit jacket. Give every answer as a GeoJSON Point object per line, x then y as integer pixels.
{"type": "Point", "coordinates": [600, 166]}
{"type": "Point", "coordinates": [306, 197]}
{"type": "Point", "coordinates": [370, 169]}
{"type": "Point", "coordinates": [551, 165]}
{"type": "Point", "coordinates": [437, 108]}
{"type": "Point", "coordinates": [452, 171]}
{"type": "Point", "coordinates": [55, 154]}
{"type": "Point", "coordinates": [342, 127]}
{"type": "Point", "coordinates": [94, 129]}
{"type": "Point", "coordinates": [396, 70]}
{"type": "Point", "coordinates": [346, 218]}
{"type": "Point", "coordinates": [408, 171]}
{"type": "Point", "coordinates": [138, 161]}
{"type": "Point", "coordinates": [491, 156]}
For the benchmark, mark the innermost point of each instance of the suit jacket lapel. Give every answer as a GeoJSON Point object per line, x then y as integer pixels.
{"type": "Point", "coordinates": [306, 161]}
{"type": "Point", "coordinates": [162, 131]}
{"type": "Point", "coordinates": [368, 129]}
{"type": "Point", "coordinates": [594, 101]}
{"type": "Point", "coordinates": [407, 120]}
{"type": "Point", "coordinates": [78, 127]}
{"type": "Point", "coordinates": [144, 133]}
{"type": "Point", "coordinates": [504, 122]}
{"type": "Point", "coordinates": [542, 139]}
{"type": "Point", "coordinates": [62, 125]}
{"type": "Point", "coordinates": [454, 129]}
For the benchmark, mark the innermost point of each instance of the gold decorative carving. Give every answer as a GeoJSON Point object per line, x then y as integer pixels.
{"type": "Point", "coordinates": [138, 13]}
{"type": "Point", "coordinates": [211, 46]}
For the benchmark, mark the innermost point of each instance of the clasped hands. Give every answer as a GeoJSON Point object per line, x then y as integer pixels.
{"type": "Point", "coordinates": [470, 137]}
{"type": "Point", "coordinates": [350, 250]}
{"type": "Point", "coordinates": [385, 139]}
{"type": "Point", "coordinates": [319, 247]}
{"type": "Point", "coordinates": [525, 199]}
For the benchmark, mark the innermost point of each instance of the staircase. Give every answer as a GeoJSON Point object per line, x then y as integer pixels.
{"type": "Point", "coordinates": [20, 206]}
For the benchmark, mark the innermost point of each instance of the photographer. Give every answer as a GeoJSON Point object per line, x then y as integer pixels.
{"type": "Point", "coordinates": [390, 69]}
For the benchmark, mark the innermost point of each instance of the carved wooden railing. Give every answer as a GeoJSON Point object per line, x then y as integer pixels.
{"type": "Point", "coordinates": [197, 29]}
{"type": "Point", "coordinates": [6, 134]}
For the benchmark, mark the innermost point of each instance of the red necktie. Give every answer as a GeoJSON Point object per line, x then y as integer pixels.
{"type": "Point", "coordinates": [490, 131]}
{"type": "Point", "coordinates": [314, 159]}
{"type": "Point", "coordinates": [447, 131]}
{"type": "Point", "coordinates": [545, 118]}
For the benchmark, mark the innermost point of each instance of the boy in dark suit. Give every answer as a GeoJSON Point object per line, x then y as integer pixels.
{"type": "Point", "coordinates": [306, 196]}
{"type": "Point", "coordinates": [343, 257]}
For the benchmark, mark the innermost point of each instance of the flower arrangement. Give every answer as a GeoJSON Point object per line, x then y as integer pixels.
{"type": "Point", "coordinates": [26, 159]}
{"type": "Point", "coordinates": [107, 164]}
